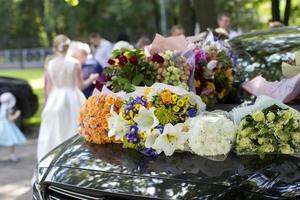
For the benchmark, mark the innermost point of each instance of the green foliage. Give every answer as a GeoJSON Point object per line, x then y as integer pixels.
{"type": "Point", "coordinates": [126, 73]}
{"type": "Point", "coordinates": [35, 22]}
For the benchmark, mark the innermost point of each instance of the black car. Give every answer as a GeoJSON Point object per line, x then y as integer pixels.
{"type": "Point", "coordinates": [262, 52]}
{"type": "Point", "coordinates": [81, 170]}
{"type": "Point", "coordinates": [26, 100]}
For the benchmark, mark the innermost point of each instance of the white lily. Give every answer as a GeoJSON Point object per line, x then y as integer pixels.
{"type": "Point", "coordinates": [170, 140]}
{"type": "Point", "coordinates": [151, 137]}
{"type": "Point", "coordinates": [117, 125]}
{"type": "Point", "coordinates": [146, 119]}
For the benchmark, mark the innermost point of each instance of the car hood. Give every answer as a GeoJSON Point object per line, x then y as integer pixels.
{"type": "Point", "coordinates": [112, 168]}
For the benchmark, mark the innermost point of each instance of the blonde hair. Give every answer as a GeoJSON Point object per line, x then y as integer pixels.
{"type": "Point", "coordinates": [61, 43]}
{"type": "Point", "coordinates": [76, 46]}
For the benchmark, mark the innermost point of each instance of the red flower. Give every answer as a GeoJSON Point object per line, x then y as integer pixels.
{"type": "Point", "coordinates": [122, 60]}
{"type": "Point", "coordinates": [157, 58]}
{"type": "Point", "coordinates": [111, 61]}
{"type": "Point", "coordinates": [133, 60]}
{"type": "Point", "coordinates": [99, 85]}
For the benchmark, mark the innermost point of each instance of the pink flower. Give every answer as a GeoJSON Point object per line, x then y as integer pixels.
{"type": "Point", "coordinates": [200, 56]}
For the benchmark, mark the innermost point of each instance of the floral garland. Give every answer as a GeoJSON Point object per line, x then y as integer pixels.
{"type": "Point", "coordinates": [213, 74]}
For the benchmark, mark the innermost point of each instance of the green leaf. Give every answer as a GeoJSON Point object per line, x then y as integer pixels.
{"type": "Point", "coordinates": [138, 79]}
{"type": "Point", "coordinates": [108, 70]}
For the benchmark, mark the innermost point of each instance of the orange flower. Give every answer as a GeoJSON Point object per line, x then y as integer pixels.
{"type": "Point", "coordinates": [93, 118]}
{"type": "Point", "coordinates": [166, 97]}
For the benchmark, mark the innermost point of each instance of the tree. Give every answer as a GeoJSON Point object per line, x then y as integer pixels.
{"type": "Point", "coordinates": [187, 16]}
{"type": "Point", "coordinates": [287, 12]}
{"type": "Point", "coordinates": [275, 10]}
{"type": "Point", "coordinates": [205, 13]}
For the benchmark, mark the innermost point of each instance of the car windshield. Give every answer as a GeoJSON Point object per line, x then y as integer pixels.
{"type": "Point", "coordinates": [261, 53]}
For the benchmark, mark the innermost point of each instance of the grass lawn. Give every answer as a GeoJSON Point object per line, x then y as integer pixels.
{"type": "Point", "coordinates": [35, 77]}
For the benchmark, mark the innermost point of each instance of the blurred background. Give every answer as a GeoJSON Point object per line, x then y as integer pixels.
{"type": "Point", "coordinates": [28, 26]}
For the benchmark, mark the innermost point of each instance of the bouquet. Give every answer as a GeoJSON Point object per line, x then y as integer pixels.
{"type": "Point", "coordinates": [94, 113]}
{"type": "Point", "coordinates": [129, 68]}
{"type": "Point", "coordinates": [211, 134]}
{"type": "Point", "coordinates": [213, 74]}
{"type": "Point", "coordinates": [172, 68]}
{"type": "Point", "coordinates": [154, 122]}
{"type": "Point", "coordinates": [269, 128]}
{"type": "Point", "coordinates": [272, 130]}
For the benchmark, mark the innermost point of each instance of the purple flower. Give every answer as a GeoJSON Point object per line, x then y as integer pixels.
{"type": "Point", "coordinates": [140, 100]}
{"type": "Point", "coordinates": [133, 129]}
{"type": "Point", "coordinates": [133, 138]}
{"type": "Point", "coordinates": [160, 128]}
{"type": "Point", "coordinates": [200, 55]}
{"type": "Point", "coordinates": [192, 112]}
{"type": "Point", "coordinates": [150, 152]}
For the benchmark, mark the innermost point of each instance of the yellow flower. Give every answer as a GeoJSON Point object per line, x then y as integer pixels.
{"type": "Point", "coordinates": [131, 113]}
{"type": "Point", "coordinates": [147, 91]}
{"type": "Point", "coordinates": [180, 103]}
{"type": "Point", "coordinates": [137, 106]}
{"type": "Point", "coordinates": [127, 54]}
{"type": "Point", "coordinates": [149, 104]}
{"type": "Point", "coordinates": [142, 136]}
{"type": "Point", "coordinates": [174, 98]}
{"type": "Point", "coordinates": [211, 86]}
{"type": "Point", "coordinates": [176, 108]}
{"type": "Point", "coordinates": [186, 98]}
{"type": "Point", "coordinates": [222, 94]}
{"type": "Point", "coordinates": [197, 83]}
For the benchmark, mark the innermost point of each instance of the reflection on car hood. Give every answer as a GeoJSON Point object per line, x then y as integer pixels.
{"type": "Point", "coordinates": [112, 168]}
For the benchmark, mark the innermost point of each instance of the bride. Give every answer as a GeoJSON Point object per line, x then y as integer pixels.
{"type": "Point", "coordinates": [60, 114]}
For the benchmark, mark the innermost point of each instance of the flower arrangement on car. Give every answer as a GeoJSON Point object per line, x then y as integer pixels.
{"type": "Point", "coordinates": [172, 68]}
{"type": "Point", "coordinates": [271, 130]}
{"type": "Point", "coordinates": [156, 119]}
{"type": "Point", "coordinates": [268, 127]}
{"type": "Point", "coordinates": [213, 73]}
{"type": "Point", "coordinates": [129, 68]}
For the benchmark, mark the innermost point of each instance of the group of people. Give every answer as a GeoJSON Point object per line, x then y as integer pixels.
{"type": "Point", "coordinates": [70, 76]}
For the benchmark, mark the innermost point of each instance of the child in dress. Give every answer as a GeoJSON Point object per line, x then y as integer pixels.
{"type": "Point", "coordinates": [10, 135]}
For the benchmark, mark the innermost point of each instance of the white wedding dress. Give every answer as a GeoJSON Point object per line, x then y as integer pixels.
{"type": "Point", "coordinates": [61, 112]}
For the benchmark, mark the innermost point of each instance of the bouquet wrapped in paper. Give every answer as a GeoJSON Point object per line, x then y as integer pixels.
{"type": "Point", "coordinates": [213, 74]}
{"type": "Point", "coordinates": [267, 127]}
{"type": "Point", "coordinates": [172, 60]}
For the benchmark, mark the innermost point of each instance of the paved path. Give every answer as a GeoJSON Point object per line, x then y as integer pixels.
{"type": "Point", "coordinates": [15, 178]}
